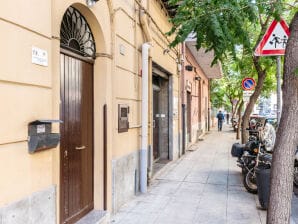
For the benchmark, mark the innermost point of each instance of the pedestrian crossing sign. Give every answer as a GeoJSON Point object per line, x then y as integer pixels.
{"type": "Point", "coordinates": [275, 39]}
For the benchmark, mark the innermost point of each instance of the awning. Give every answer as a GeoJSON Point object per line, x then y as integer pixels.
{"type": "Point", "coordinates": [205, 60]}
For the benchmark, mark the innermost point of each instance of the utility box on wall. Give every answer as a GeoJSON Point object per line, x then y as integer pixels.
{"type": "Point", "coordinates": [123, 124]}
{"type": "Point", "coordinates": [40, 136]}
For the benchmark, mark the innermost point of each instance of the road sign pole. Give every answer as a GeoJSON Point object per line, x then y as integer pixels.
{"type": "Point", "coordinates": [278, 72]}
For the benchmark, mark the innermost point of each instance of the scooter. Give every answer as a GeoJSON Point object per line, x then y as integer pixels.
{"type": "Point", "coordinates": [296, 169]}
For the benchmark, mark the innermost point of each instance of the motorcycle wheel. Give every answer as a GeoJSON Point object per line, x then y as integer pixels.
{"type": "Point", "coordinates": [250, 183]}
{"type": "Point", "coordinates": [295, 181]}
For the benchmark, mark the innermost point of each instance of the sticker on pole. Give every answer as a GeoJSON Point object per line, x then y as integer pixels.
{"type": "Point", "coordinates": [275, 39]}
{"type": "Point", "coordinates": [248, 84]}
{"type": "Point", "coordinates": [246, 95]}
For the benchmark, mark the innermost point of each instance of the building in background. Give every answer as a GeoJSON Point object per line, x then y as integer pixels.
{"type": "Point", "coordinates": [63, 60]}
{"type": "Point", "coordinates": [195, 86]}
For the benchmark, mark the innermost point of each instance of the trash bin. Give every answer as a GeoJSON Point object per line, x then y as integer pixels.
{"type": "Point", "coordinates": [263, 184]}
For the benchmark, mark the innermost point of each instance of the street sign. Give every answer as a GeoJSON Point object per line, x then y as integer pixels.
{"type": "Point", "coordinates": [246, 95]}
{"type": "Point", "coordinates": [275, 39]}
{"type": "Point", "coordinates": [248, 84]}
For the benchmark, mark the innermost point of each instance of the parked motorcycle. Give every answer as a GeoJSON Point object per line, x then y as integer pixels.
{"type": "Point", "coordinates": [256, 151]}
{"type": "Point", "coordinates": [234, 122]}
{"type": "Point", "coordinates": [296, 169]}
{"type": "Point", "coordinates": [261, 159]}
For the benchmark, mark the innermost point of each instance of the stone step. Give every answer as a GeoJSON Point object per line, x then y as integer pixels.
{"type": "Point", "coordinates": [95, 217]}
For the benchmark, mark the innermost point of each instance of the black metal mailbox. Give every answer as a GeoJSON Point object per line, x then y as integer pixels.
{"type": "Point", "coordinates": [40, 136]}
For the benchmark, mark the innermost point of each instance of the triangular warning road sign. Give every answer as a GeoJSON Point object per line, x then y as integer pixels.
{"type": "Point", "coordinates": [275, 39]}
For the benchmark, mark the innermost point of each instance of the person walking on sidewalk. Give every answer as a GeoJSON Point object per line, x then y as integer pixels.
{"type": "Point", "coordinates": [220, 118]}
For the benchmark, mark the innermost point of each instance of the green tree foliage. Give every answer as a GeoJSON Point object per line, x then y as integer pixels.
{"type": "Point", "coordinates": [220, 25]}
{"type": "Point", "coordinates": [228, 88]}
{"type": "Point", "coordinates": [231, 28]}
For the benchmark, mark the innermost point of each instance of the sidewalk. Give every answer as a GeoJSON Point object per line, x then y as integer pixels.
{"type": "Point", "coordinates": [204, 186]}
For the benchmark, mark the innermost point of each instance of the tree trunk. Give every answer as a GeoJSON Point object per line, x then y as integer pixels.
{"type": "Point", "coordinates": [261, 78]}
{"type": "Point", "coordinates": [279, 209]}
{"type": "Point", "coordinates": [252, 99]}
{"type": "Point", "coordinates": [239, 119]}
{"type": "Point", "coordinates": [234, 109]}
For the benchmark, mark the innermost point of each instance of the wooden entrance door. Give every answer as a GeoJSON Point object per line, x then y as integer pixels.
{"type": "Point", "coordinates": [76, 138]}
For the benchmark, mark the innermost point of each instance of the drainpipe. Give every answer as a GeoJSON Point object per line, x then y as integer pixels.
{"type": "Point", "coordinates": [145, 102]}
{"type": "Point", "coordinates": [144, 141]}
{"type": "Point", "coordinates": [209, 111]}
{"type": "Point", "coordinates": [182, 81]}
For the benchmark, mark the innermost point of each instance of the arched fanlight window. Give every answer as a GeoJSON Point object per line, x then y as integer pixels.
{"type": "Point", "coordinates": [76, 35]}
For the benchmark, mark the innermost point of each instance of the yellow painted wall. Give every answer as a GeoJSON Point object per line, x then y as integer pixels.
{"type": "Point", "coordinates": [99, 20]}
{"type": "Point", "coordinates": [25, 95]}
{"type": "Point", "coordinates": [34, 15]}
{"type": "Point", "coordinates": [169, 60]}
{"type": "Point", "coordinates": [29, 92]}
{"type": "Point", "coordinates": [21, 173]}
{"type": "Point", "coordinates": [129, 38]}
{"type": "Point", "coordinates": [126, 80]}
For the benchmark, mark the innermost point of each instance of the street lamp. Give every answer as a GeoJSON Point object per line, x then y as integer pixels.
{"type": "Point", "coordinates": [91, 3]}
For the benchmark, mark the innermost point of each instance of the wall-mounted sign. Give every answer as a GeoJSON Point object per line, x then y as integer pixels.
{"type": "Point", "coordinates": [39, 56]}
{"type": "Point", "coordinates": [188, 86]}
{"type": "Point", "coordinates": [41, 128]}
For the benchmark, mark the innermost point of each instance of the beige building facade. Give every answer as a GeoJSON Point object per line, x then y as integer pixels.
{"type": "Point", "coordinates": [71, 88]}
{"type": "Point", "coordinates": [63, 60]}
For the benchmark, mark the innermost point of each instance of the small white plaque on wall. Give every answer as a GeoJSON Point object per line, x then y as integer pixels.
{"type": "Point", "coordinates": [39, 56]}
{"type": "Point", "coordinates": [41, 128]}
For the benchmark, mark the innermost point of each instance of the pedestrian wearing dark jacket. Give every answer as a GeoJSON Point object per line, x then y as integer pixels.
{"type": "Point", "coordinates": [220, 118]}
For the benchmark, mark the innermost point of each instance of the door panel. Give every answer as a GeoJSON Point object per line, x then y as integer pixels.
{"type": "Point", "coordinates": [156, 152]}
{"type": "Point", "coordinates": [76, 138]}
{"type": "Point", "coordinates": [189, 116]}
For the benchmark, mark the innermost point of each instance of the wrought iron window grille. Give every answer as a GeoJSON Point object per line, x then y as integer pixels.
{"type": "Point", "coordinates": [76, 34]}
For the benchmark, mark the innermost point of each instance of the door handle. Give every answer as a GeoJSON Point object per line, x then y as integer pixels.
{"type": "Point", "coordinates": [80, 148]}
{"type": "Point", "coordinates": [153, 123]}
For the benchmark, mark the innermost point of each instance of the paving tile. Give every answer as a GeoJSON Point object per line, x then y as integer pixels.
{"type": "Point", "coordinates": [165, 187]}
{"type": "Point", "coordinates": [197, 178]}
{"type": "Point", "coordinates": [217, 178]}
{"type": "Point", "coordinates": [190, 188]}
{"type": "Point", "coordinates": [204, 216]}
{"type": "Point", "coordinates": [235, 179]}
{"type": "Point", "coordinates": [239, 187]}
{"type": "Point", "coordinates": [178, 212]}
{"type": "Point", "coordinates": [135, 218]}
{"type": "Point", "coordinates": [119, 217]}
